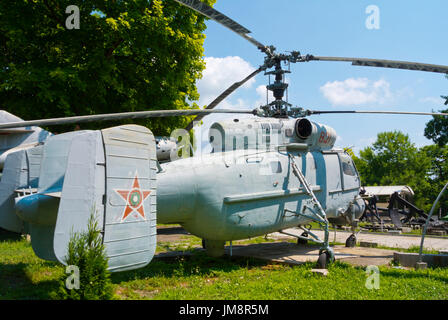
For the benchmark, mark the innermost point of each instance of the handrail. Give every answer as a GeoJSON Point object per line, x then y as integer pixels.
{"type": "Point", "coordinates": [427, 222]}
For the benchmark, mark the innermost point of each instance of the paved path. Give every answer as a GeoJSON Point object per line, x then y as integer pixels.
{"type": "Point", "coordinates": [394, 241]}
{"type": "Point", "coordinates": [291, 253]}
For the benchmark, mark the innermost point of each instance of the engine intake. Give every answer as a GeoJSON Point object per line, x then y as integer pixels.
{"type": "Point", "coordinates": [317, 136]}
{"type": "Point", "coordinates": [304, 128]}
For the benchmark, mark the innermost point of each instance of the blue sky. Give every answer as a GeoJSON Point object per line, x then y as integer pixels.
{"type": "Point", "coordinates": [408, 30]}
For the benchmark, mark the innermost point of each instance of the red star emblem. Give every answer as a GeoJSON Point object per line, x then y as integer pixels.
{"type": "Point", "coordinates": [134, 199]}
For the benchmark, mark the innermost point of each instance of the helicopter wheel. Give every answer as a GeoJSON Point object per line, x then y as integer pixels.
{"type": "Point", "coordinates": [351, 241]}
{"type": "Point", "coordinates": [323, 260]}
{"type": "Point", "coordinates": [303, 241]}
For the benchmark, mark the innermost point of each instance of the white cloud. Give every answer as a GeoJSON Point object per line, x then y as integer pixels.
{"type": "Point", "coordinates": [261, 92]}
{"type": "Point", "coordinates": [221, 73]}
{"type": "Point", "coordinates": [436, 101]}
{"type": "Point", "coordinates": [359, 91]}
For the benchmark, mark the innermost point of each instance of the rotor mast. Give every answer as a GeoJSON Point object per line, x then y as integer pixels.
{"type": "Point", "coordinates": [278, 108]}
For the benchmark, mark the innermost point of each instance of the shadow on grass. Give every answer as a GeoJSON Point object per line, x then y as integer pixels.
{"type": "Point", "coordinates": [6, 236]}
{"type": "Point", "coordinates": [15, 281]}
{"type": "Point", "coordinates": [16, 284]}
{"type": "Point", "coordinates": [198, 263]}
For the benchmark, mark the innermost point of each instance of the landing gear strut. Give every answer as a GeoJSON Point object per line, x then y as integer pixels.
{"type": "Point", "coordinates": [315, 212]}
{"type": "Point", "coordinates": [324, 259]}
{"type": "Point", "coordinates": [301, 241]}
{"type": "Point", "coordinates": [214, 248]}
{"type": "Point", "coordinates": [351, 241]}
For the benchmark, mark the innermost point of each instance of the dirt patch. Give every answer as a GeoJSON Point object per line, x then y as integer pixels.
{"type": "Point", "coordinates": [274, 266]}
{"type": "Point", "coordinates": [146, 294]}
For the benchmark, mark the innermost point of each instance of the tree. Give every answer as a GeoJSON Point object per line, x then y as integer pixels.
{"type": "Point", "coordinates": [437, 175]}
{"type": "Point", "coordinates": [394, 160]}
{"type": "Point", "coordinates": [126, 56]}
{"type": "Point", "coordinates": [87, 253]}
{"type": "Point", "coordinates": [437, 129]}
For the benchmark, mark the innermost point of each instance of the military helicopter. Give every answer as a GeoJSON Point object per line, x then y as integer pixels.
{"type": "Point", "coordinates": [268, 173]}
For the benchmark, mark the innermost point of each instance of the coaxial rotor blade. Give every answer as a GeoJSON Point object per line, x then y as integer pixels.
{"type": "Point", "coordinates": [310, 112]}
{"type": "Point", "coordinates": [382, 63]}
{"type": "Point", "coordinates": [224, 95]}
{"type": "Point", "coordinates": [217, 16]}
{"type": "Point", "coordinates": [117, 116]}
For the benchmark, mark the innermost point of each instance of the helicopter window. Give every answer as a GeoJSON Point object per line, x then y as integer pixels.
{"type": "Point", "coordinates": [333, 176]}
{"type": "Point", "coordinates": [276, 167]}
{"type": "Point", "coordinates": [347, 165]}
{"type": "Point", "coordinates": [348, 169]}
{"type": "Point", "coordinates": [351, 179]}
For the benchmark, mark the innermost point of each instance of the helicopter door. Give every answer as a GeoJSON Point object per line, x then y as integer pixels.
{"type": "Point", "coordinates": [334, 181]}
{"type": "Point", "coordinates": [350, 175]}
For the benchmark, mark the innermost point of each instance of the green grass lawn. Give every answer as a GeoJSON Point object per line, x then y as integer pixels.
{"type": "Point", "coordinates": [24, 276]}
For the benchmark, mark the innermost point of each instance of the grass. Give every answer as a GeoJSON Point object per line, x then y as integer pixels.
{"type": "Point", "coordinates": [197, 276]}
{"type": "Point", "coordinates": [411, 249]}
{"type": "Point", "coordinates": [200, 277]}
{"type": "Point", "coordinates": [22, 274]}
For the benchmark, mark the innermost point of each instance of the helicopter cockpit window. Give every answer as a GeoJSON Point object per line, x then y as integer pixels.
{"type": "Point", "coordinates": [350, 175]}
{"type": "Point", "coordinates": [347, 165]}
{"type": "Point", "coordinates": [348, 169]}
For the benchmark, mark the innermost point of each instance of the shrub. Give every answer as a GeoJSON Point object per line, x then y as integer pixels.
{"type": "Point", "coordinates": [86, 251]}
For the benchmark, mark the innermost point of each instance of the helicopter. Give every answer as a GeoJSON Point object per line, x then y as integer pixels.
{"type": "Point", "coordinates": [267, 173]}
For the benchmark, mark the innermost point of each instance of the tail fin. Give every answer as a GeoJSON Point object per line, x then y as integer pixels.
{"type": "Point", "coordinates": [112, 172]}
{"type": "Point", "coordinates": [109, 173]}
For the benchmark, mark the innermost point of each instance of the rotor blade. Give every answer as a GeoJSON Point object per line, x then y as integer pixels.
{"type": "Point", "coordinates": [217, 16]}
{"type": "Point", "coordinates": [224, 95]}
{"type": "Point", "coordinates": [117, 116]}
{"type": "Point", "coordinates": [383, 63]}
{"type": "Point", "coordinates": [380, 112]}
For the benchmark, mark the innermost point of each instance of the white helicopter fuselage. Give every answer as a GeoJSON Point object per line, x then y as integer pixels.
{"type": "Point", "coordinates": [248, 192]}
{"type": "Point", "coordinates": [264, 175]}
